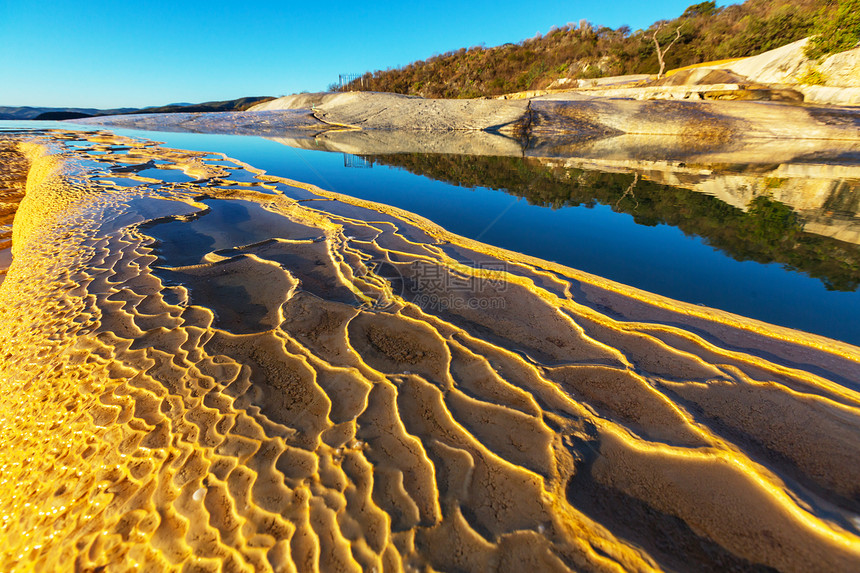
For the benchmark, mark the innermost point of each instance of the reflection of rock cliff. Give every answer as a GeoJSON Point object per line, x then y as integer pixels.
{"type": "Point", "coordinates": [826, 197]}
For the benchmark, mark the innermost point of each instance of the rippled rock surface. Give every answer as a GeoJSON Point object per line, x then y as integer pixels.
{"type": "Point", "coordinates": [207, 368]}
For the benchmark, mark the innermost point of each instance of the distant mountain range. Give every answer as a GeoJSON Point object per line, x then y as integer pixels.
{"type": "Point", "coordinates": [240, 104]}
{"type": "Point", "coordinates": [27, 112]}
{"type": "Point", "coordinates": [58, 113]}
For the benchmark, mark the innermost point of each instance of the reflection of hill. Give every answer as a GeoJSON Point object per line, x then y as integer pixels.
{"type": "Point", "coordinates": [767, 231]}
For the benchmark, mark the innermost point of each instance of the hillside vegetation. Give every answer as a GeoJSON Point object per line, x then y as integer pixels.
{"type": "Point", "coordinates": [583, 50]}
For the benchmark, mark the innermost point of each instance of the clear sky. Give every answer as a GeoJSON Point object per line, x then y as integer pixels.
{"type": "Point", "coordinates": [118, 53]}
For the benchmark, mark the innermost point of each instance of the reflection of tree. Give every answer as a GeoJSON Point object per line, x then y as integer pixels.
{"type": "Point", "coordinates": [768, 232]}
{"type": "Point", "coordinates": [771, 222]}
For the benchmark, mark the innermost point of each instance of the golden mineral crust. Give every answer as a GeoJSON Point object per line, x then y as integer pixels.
{"type": "Point", "coordinates": [207, 368]}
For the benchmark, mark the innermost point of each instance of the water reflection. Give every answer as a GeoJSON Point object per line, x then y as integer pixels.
{"type": "Point", "coordinates": [357, 161]}
{"type": "Point", "coordinates": [818, 235]}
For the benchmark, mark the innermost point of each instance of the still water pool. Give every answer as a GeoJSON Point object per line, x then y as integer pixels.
{"type": "Point", "coordinates": [666, 239]}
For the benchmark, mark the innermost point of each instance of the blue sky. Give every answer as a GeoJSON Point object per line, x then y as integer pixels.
{"type": "Point", "coordinates": [93, 53]}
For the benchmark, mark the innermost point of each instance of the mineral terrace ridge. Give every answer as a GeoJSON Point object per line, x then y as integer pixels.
{"type": "Point", "coordinates": [210, 368]}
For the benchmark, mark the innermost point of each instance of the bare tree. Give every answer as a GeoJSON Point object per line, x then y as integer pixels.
{"type": "Point", "coordinates": [662, 52]}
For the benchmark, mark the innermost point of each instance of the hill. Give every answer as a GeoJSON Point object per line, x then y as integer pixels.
{"type": "Point", "coordinates": [704, 32]}
{"type": "Point", "coordinates": [59, 113]}
{"type": "Point", "coordinates": [240, 104]}
{"type": "Point", "coordinates": [28, 112]}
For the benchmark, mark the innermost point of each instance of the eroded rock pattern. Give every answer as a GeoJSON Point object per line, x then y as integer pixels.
{"type": "Point", "coordinates": [210, 369]}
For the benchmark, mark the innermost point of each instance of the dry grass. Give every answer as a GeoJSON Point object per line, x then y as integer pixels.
{"type": "Point", "coordinates": [713, 64]}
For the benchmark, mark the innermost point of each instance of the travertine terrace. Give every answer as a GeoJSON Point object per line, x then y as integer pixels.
{"type": "Point", "coordinates": [207, 368]}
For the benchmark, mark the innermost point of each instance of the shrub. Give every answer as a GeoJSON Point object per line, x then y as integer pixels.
{"type": "Point", "coordinates": [836, 33]}
{"type": "Point", "coordinates": [812, 77]}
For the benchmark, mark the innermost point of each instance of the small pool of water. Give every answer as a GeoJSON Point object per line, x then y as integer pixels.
{"type": "Point", "coordinates": [223, 224]}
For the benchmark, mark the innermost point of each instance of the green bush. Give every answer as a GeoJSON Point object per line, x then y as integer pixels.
{"type": "Point", "coordinates": [764, 34]}
{"type": "Point", "coordinates": [836, 33]}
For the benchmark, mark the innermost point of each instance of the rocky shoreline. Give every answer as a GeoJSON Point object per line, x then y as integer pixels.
{"type": "Point", "coordinates": [562, 126]}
